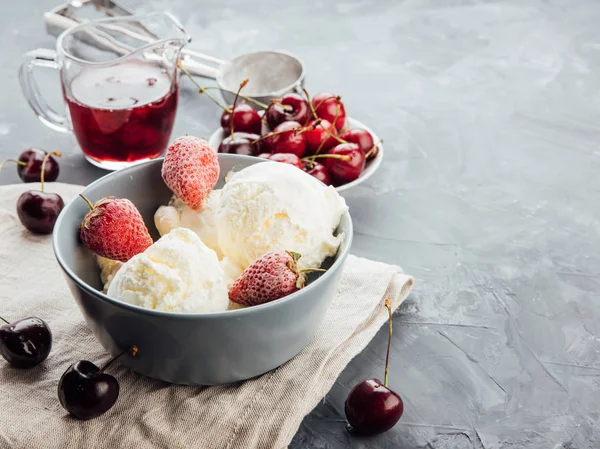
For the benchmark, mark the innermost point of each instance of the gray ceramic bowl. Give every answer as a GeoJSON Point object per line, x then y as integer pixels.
{"type": "Point", "coordinates": [195, 349]}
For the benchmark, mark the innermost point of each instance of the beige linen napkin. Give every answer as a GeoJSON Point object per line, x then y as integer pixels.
{"type": "Point", "coordinates": [261, 413]}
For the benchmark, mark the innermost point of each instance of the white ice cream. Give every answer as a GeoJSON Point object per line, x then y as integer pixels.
{"type": "Point", "coordinates": [108, 269]}
{"type": "Point", "coordinates": [202, 221]}
{"type": "Point", "coordinates": [178, 273]}
{"type": "Point", "coordinates": [275, 206]}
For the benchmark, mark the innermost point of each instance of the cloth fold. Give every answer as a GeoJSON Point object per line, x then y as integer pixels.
{"type": "Point", "coordinates": [262, 413]}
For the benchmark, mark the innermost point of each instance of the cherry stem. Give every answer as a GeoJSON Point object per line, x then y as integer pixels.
{"type": "Point", "coordinates": [237, 94]}
{"type": "Point", "coordinates": [133, 349]}
{"type": "Point", "coordinates": [285, 107]}
{"type": "Point", "coordinates": [48, 155]}
{"type": "Point", "coordinates": [335, 119]}
{"type": "Point", "coordinates": [388, 305]}
{"type": "Point", "coordinates": [312, 110]}
{"type": "Point", "coordinates": [260, 104]}
{"type": "Point", "coordinates": [89, 203]}
{"type": "Point", "coordinates": [271, 134]}
{"type": "Point", "coordinates": [12, 160]}
{"type": "Point", "coordinates": [201, 89]}
{"type": "Point", "coordinates": [333, 156]}
{"type": "Point", "coordinates": [374, 149]}
{"type": "Point", "coordinates": [4, 320]}
{"type": "Point", "coordinates": [314, 113]}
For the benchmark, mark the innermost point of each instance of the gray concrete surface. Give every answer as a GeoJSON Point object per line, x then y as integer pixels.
{"type": "Point", "coordinates": [488, 195]}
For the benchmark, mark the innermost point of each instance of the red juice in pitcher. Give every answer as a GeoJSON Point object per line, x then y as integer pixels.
{"type": "Point", "coordinates": [124, 113]}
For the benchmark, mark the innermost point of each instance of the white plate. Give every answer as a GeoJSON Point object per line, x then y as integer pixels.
{"type": "Point", "coordinates": [370, 168]}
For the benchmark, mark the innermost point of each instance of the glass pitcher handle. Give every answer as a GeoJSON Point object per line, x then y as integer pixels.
{"type": "Point", "coordinates": [41, 57]}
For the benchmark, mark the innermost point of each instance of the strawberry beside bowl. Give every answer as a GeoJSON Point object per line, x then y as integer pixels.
{"type": "Point", "coordinates": [183, 348]}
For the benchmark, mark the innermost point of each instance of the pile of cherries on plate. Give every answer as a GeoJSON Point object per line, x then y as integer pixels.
{"type": "Point", "coordinates": [310, 134]}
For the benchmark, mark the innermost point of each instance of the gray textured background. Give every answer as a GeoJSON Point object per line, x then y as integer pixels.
{"type": "Point", "coordinates": [488, 195]}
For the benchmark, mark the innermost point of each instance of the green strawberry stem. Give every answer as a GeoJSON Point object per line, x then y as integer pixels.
{"type": "Point", "coordinates": [4, 320]}
{"type": "Point", "coordinates": [237, 94]}
{"type": "Point", "coordinates": [341, 157]}
{"type": "Point", "coordinates": [12, 160]}
{"type": "Point", "coordinates": [310, 270]}
{"type": "Point", "coordinates": [201, 89]}
{"type": "Point", "coordinates": [51, 153]}
{"type": "Point", "coordinates": [133, 349]}
{"type": "Point", "coordinates": [89, 203]}
{"type": "Point", "coordinates": [388, 305]}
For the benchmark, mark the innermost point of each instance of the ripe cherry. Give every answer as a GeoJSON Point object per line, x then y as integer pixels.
{"type": "Point", "coordinates": [348, 166]}
{"type": "Point", "coordinates": [243, 117]}
{"type": "Point", "coordinates": [29, 166]}
{"type": "Point", "coordinates": [318, 171]}
{"type": "Point", "coordinates": [319, 137]}
{"type": "Point", "coordinates": [329, 107]}
{"type": "Point", "coordinates": [291, 107]}
{"type": "Point", "coordinates": [287, 137]}
{"type": "Point", "coordinates": [38, 210]}
{"type": "Point", "coordinates": [371, 407]}
{"type": "Point", "coordinates": [363, 139]}
{"type": "Point", "coordinates": [32, 170]}
{"type": "Point", "coordinates": [241, 143]}
{"type": "Point", "coordinates": [286, 158]}
{"type": "Point", "coordinates": [25, 343]}
{"type": "Point", "coordinates": [86, 391]}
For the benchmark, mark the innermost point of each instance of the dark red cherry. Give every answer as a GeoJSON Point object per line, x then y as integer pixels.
{"type": "Point", "coordinates": [318, 137]}
{"type": "Point", "coordinates": [372, 408]}
{"type": "Point", "coordinates": [286, 158]}
{"type": "Point", "coordinates": [318, 171]}
{"type": "Point", "coordinates": [25, 343]}
{"type": "Point", "coordinates": [326, 108]}
{"type": "Point", "coordinates": [363, 139]}
{"type": "Point", "coordinates": [86, 391]}
{"type": "Point", "coordinates": [39, 210]}
{"type": "Point", "coordinates": [288, 137]}
{"type": "Point", "coordinates": [245, 119]}
{"type": "Point", "coordinates": [32, 171]}
{"type": "Point", "coordinates": [291, 107]}
{"type": "Point", "coordinates": [348, 166]}
{"type": "Point", "coordinates": [241, 143]}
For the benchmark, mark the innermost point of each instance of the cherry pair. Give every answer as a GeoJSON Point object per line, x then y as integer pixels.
{"type": "Point", "coordinates": [38, 210]}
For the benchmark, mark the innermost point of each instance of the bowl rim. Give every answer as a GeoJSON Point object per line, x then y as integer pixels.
{"type": "Point", "coordinates": [372, 166]}
{"type": "Point", "coordinates": [237, 313]}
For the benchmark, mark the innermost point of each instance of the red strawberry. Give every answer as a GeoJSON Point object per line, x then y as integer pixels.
{"type": "Point", "coordinates": [272, 276]}
{"type": "Point", "coordinates": [190, 169]}
{"type": "Point", "coordinates": [114, 229]}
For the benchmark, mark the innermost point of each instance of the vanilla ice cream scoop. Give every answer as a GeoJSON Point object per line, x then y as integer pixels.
{"type": "Point", "coordinates": [202, 221]}
{"type": "Point", "coordinates": [276, 206]}
{"type": "Point", "coordinates": [178, 273]}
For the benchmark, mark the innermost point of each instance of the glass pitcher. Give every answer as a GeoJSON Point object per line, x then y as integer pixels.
{"type": "Point", "coordinates": [119, 81]}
